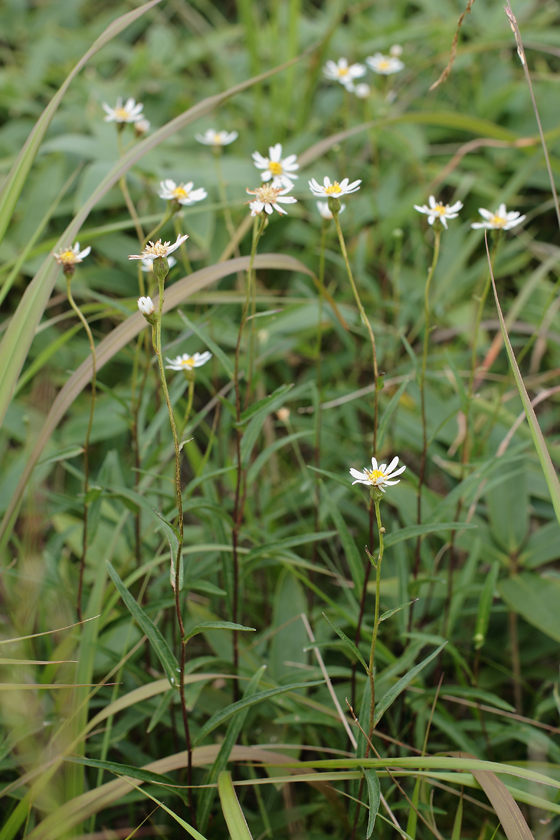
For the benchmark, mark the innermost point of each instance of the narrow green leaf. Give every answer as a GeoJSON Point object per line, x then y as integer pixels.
{"type": "Point", "coordinates": [508, 811]}
{"type": "Point", "coordinates": [384, 616]}
{"type": "Point", "coordinates": [400, 686]}
{"type": "Point", "coordinates": [160, 646]}
{"type": "Point", "coordinates": [458, 821]}
{"type": "Point", "coordinates": [216, 625]}
{"type": "Point", "coordinates": [224, 714]}
{"type": "Point", "coordinates": [419, 530]}
{"type": "Point", "coordinates": [485, 605]}
{"type": "Point", "coordinates": [210, 343]}
{"type": "Point", "coordinates": [374, 794]}
{"type": "Point", "coordinates": [188, 828]}
{"type": "Point", "coordinates": [124, 770]}
{"type": "Point", "coordinates": [353, 557]}
{"type": "Point", "coordinates": [255, 425]}
{"type": "Point", "coordinates": [348, 642]}
{"type": "Point", "coordinates": [234, 816]}
{"type": "Point", "coordinates": [335, 476]}
{"type": "Point", "coordinates": [260, 404]}
{"type": "Point", "coordinates": [172, 535]}
{"type": "Point", "coordinates": [537, 435]}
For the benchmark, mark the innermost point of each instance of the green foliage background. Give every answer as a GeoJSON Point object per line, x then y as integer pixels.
{"type": "Point", "coordinates": [108, 712]}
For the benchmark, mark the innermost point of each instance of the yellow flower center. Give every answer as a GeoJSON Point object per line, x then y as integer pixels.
{"type": "Point", "coordinates": [334, 189]}
{"type": "Point", "coordinates": [187, 363]}
{"type": "Point", "coordinates": [180, 192]}
{"type": "Point", "coordinates": [121, 114]}
{"type": "Point", "coordinates": [67, 256]}
{"type": "Point", "coordinates": [159, 249]}
{"type": "Point", "coordinates": [267, 194]}
{"type": "Point", "coordinates": [439, 210]}
{"type": "Point", "coordinates": [218, 138]}
{"type": "Point", "coordinates": [498, 221]}
{"type": "Point", "coordinates": [275, 168]}
{"type": "Point", "coordinates": [375, 475]}
{"type": "Point", "coordinates": [384, 64]}
{"type": "Point", "coordinates": [343, 71]}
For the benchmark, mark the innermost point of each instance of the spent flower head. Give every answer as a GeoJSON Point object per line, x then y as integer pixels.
{"type": "Point", "coordinates": [269, 198]}
{"type": "Point", "coordinates": [275, 168]}
{"type": "Point", "coordinates": [396, 51]}
{"type": "Point", "coordinates": [147, 308]}
{"type": "Point", "coordinates": [380, 477]}
{"type": "Point", "coordinates": [437, 210]}
{"type": "Point", "coordinates": [211, 137]}
{"type": "Point", "coordinates": [361, 90]}
{"type": "Point", "coordinates": [142, 127]}
{"type": "Point", "coordinates": [130, 112]}
{"type": "Point", "coordinates": [159, 249]}
{"type": "Point", "coordinates": [188, 363]}
{"type": "Point", "coordinates": [385, 65]}
{"type": "Point", "coordinates": [181, 193]}
{"type": "Point", "coordinates": [341, 71]}
{"type": "Point", "coordinates": [334, 190]}
{"type": "Point", "coordinates": [69, 257]}
{"type": "Point", "coordinates": [325, 211]}
{"type": "Point", "coordinates": [500, 220]}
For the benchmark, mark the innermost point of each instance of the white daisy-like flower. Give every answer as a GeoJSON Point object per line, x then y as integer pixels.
{"type": "Point", "coordinates": [280, 171]}
{"type": "Point", "coordinates": [153, 250]}
{"type": "Point", "coordinates": [379, 476]}
{"type": "Point", "coordinates": [146, 305]}
{"type": "Point", "coordinates": [334, 190]}
{"type": "Point", "coordinates": [211, 137]}
{"type": "Point", "coordinates": [436, 210]}
{"type": "Point", "coordinates": [182, 193]}
{"type": "Point", "coordinates": [148, 265]}
{"type": "Point", "coordinates": [142, 126]}
{"type": "Point", "coordinates": [341, 71]}
{"type": "Point", "coordinates": [70, 256]}
{"type": "Point", "coordinates": [186, 362]}
{"type": "Point", "coordinates": [385, 65]}
{"type": "Point", "coordinates": [130, 112]}
{"type": "Point", "coordinates": [396, 51]}
{"type": "Point", "coordinates": [268, 198]}
{"type": "Point", "coordinates": [323, 208]}
{"type": "Point", "coordinates": [500, 220]}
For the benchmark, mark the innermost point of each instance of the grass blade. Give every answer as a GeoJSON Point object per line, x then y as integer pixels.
{"type": "Point", "coordinates": [235, 818]}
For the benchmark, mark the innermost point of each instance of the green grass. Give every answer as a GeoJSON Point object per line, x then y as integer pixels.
{"type": "Point", "coordinates": [466, 630]}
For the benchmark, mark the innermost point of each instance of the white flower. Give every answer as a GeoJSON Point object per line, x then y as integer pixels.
{"type": "Point", "coordinates": [186, 362]}
{"type": "Point", "coordinates": [268, 198]}
{"type": "Point", "coordinates": [362, 90]}
{"type": "Point", "coordinates": [182, 193]}
{"type": "Point", "coordinates": [436, 210]}
{"type": "Point", "coordinates": [211, 137]}
{"type": "Point", "coordinates": [379, 477]}
{"type": "Point", "coordinates": [158, 249]}
{"type": "Point", "coordinates": [384, 64]}
{"type": "Point", "coordinates": [396, 51]}
{"type": "Point", "coordinates": [280, 171]}
{"type": "Point", "coordinates": [142, 126]}
{"type": "Point", "coordinates": [323, 208]}
{"type": "Point", "coordinates": [70, 256]}
{"type": "Point", "coordinates": [500, 220]}
{"type": "Point", "coordinates": [146, 306]}
{"type": "Point", "coordinates": [335, 190]}
{"type": "Point", "coordinates": [148, 265]}
{"type": "Point", "coordinates": [340, 71]}
{"type": "Point", "coordinates": [130, 112]}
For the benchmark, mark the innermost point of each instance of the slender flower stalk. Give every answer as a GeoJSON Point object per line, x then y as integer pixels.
{"type": "Point", "coordinates": [422, 383]}
{"type": "Point", "coordinates": [376, 496]}
{"type": "Point", "coordinates": [158, 252]}
{"type": "Point", "coordinates": [68, 259]}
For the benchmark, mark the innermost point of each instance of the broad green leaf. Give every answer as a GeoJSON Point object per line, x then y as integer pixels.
{"type": "Point", "coordinates": [374, 795]}
{"type": "Point", "coordinates": [210, 343]}
{"type": "Point", "coordinates": [536, 599]}
{"type": "Point", "coordinates": [216, 625]}
{"type": "Point", "coordinates": [224, 714]}
{"type": "Point", "coordinates": [508, 506]}
{"type": "Point", "coordinates": [537, 435]}
{"type": "Point", "coordinates": [349, 644]}
{"type": "Point", "coordinates": [234, 816]}
{"type": "Point", "coordinates": [289, 635]}
{"type": "Point", "coordinates": [391, 695]}
{"type": "Point", "coordinates": [354, 559]}
{"type": "Point", "coordinates": [160, 646]}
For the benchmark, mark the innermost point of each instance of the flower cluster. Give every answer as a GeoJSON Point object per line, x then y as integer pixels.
{"type": "Point", "coordinates": [346, 74]}
{"type": "Point", "coordinates": [500, 220]}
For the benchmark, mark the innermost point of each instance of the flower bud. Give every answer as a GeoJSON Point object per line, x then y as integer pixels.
{"type": "Point", "coordinates": [147, 308]}
{"type": "Point", "coordinates": [334, 205]}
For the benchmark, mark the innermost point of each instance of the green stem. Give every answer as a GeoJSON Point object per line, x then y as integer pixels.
{"type": "Point", "coordinates": [251, 301]}
{"type": "Point", "coordinates": [182, 248]}
{"type": "Point", "coordinates": [189, 407]}
{"type": "Point", "coordinates": [371, 669]}
{"type": "Point", "coordinates": [423, 392]}
{"type": "Point", "coordinates": [156, 340]}
{"type": "Point", "coordinates": [366, 323]}
{"type": "Point", "coordinates": [230, 227]}
{"type": "Point", "coordinates": [131, 209]}
{"type": "Point", "coordinates": [85, 325]}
